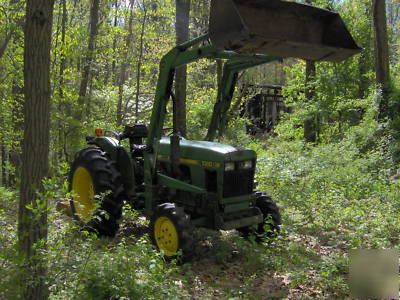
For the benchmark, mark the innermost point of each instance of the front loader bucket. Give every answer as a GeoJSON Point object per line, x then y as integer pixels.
{"type": "Point", "coordinates": [279, 28]}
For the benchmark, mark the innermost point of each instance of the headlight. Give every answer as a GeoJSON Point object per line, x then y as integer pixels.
{"type": "Point", "coordinates": [247, 164]}
{"type": "Point", "coordinates": [229, 166]}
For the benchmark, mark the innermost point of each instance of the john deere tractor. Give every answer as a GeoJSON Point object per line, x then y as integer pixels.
{"type": "Point", "coordinates": [181, 184]}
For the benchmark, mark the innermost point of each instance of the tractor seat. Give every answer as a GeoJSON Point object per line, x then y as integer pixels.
{"type": "Point", "coordinates": [135, 132]}
{"type": "Point", "coordinates": [138, 150]}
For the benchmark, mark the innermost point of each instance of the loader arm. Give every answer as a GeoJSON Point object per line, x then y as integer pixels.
{"type": "Point", "coordinates": [226, 90]}
{"type": "Point", "coordinates": [181, 55]}
{"type": "Point", "coordinates": [245, 33]}
{"type": "Point", "coordinates": [185, 54]}
{"type": "Point", "coordinates": [184, 184]}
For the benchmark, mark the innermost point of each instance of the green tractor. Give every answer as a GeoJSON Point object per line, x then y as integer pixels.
{"type": "Point", "coordinates": [181, 184]}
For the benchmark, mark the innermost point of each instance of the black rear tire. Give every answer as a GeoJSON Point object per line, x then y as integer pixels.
{"type": "Point", "coordinates": [107, 189]}
{"type": "Point", "coordinates": [270, 227]}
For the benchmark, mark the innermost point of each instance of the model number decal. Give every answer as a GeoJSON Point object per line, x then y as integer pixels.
{"type": "Point", "coordinates": [210, 164]}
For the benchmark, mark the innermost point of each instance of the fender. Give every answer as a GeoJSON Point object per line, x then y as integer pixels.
{"type": "Point", "coordinates": [122, 159]}
{"type": "Point", "coordinates": [107, 144]}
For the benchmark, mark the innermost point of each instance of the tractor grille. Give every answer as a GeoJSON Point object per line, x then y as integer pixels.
{"type": "Point", "coordinates": [238, 183]}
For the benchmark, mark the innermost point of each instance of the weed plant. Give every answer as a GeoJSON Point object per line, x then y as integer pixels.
{"type": "Point", "coordinates": [340, 194]}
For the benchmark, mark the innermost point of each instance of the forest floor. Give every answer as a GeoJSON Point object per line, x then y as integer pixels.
{"type": "Point", "coordinates": [254, 278]}
{"type": "Point", "coordinates": [333, 197]}
{"type": "Point", "coordinates": [225, 266]}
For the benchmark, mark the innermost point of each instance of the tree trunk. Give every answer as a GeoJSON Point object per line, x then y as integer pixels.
{"type": "Point", "coordinates": [393, 8]}
{"type": "Point", "coordinates": [4, 181]}
{"type": "Point", "coordinates": [1, 164]}
{"type": "Point", "coordinates": [220, 68]}
{"type": "Point", "coordinates": [363, 60]}
{"type": "Point", "coordinates": [18, 127]}
{"type": "Point", "coordinates": [32, 222]}
{"type": "Point", "coordinates": [381, 54]}
{"type": "Point", "coordinates": [18, 22]}
{"type": "Point", "coordinates": [94, 20]}
{"type": "Point", "coordinates": [3, 46]}
{"type": "Point", "coordinates": [2, 155]}
{"type": "Point", "coordinates": [139, 64]}
{"type": "Point", "coordinates": [124, 65]}
{"type": "Point", "coordinates": [6, 167]}
{"type": "Point", "coordinates": [62, 106]}
{"type": "Point", "coordinates": [114, 47]}
{"type": "Point", "coordinates": [310, 130]}
{"type": "Point", "coordinates": [64, 21]}
{"type": "Point", "coordinates": [182, 35]}
{"type": "Point", "coordinates": [362, 80]}
{"type": "Point", "coordinates": [81, 111]}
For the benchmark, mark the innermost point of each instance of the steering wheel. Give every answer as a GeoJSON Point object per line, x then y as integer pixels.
{"type": "Point", "coordinates": [115, 133]}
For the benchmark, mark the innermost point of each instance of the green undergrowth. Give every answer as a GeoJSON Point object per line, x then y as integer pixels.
{"type": "Point", "coordinates": [348, 189]}
{"type": "Point", "coordinates": [341, 194]}
{"type": "Point", "coordinates": [92, 268]}
{"type": "Point", "coordinates": [335, 196]}
{"type": "Point", "coordinates": [225, 266]}
{"type": "Point", "coordinates": [83, 266]}
{"type": "Point", "coordinates": [8, 236]}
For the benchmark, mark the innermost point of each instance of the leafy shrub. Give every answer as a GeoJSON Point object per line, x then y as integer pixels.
{"type": "Point", "coordinates": [83, 266]}
{"type": "Point", "coordinates": [340, 186]}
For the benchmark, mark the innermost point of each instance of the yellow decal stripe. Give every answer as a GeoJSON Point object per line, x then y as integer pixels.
{"type": "Point", "coordinates": [211, 164]}
{"type": "Point", "coordinates": [162, 156]}
{"type": "Point", "coordinates": [190, 161]}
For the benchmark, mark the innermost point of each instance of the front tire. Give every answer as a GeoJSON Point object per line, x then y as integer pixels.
{"type": "Point", "coordinates": [97, 191]}
{"type": "Point", "coordinates": [270, 227]}
{"type": "Point", "coordinates": [171, 231]}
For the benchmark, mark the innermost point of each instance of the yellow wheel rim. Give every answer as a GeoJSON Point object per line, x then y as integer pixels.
{"type": "Point", "coordinates": [166, 236]}
{"type": "Point", "coordinates": [83, 194]}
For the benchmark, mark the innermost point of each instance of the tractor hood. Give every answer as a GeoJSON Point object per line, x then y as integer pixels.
{"type": "Point", "coordinates": [207, 151]}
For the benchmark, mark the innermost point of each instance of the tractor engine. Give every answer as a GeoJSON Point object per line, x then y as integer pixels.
{"type": "Point", "coordinates": [224, 173]}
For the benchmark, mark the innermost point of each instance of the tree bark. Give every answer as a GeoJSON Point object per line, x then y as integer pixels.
{"type": "Point", "coordinates": [62, 106]}
{"type": "Point", "coordinates": [18, 22]}
{"type": "Point", "coordinates": [17, 120]}
{"type": "Point", "coordinates": [362, 80]}
{"type": "Point", "coordinates": [4, 45]}
{"type": "Point", "coordinates": [94, 21]}
{"type": "Point", "coordinates": [393, 8]}
{"type": "Point", "coordinates": [81, 110]}
{"type": "Point", "coordinates": [32, 215]}
{"type": "Point", "coordinates": [124, 65]}
{"type": "Point", "coordinates": [4, 181]}
{"type": "Point", "coordinates": [220, 68]}
{"type": "Point", "coordinates": [114, 47]}
{"type": "Point", "coordinates": [1, 164]}
{"type": "Point", "coordinates": [64, 21]}
{"type": "Point", "coordinates": [381, 55]}
{"type": "Point", "coordinates": [364, 57]}
{"type": "Point", "coordinates": [182, 35]}
{"type": "Point", "coordinates": [310, 130]}
{"type": "Point", "coordinates": [140, 61]}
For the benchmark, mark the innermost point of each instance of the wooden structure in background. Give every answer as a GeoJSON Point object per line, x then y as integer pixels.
{"type": "Point", "coordinates": [264, 109]}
